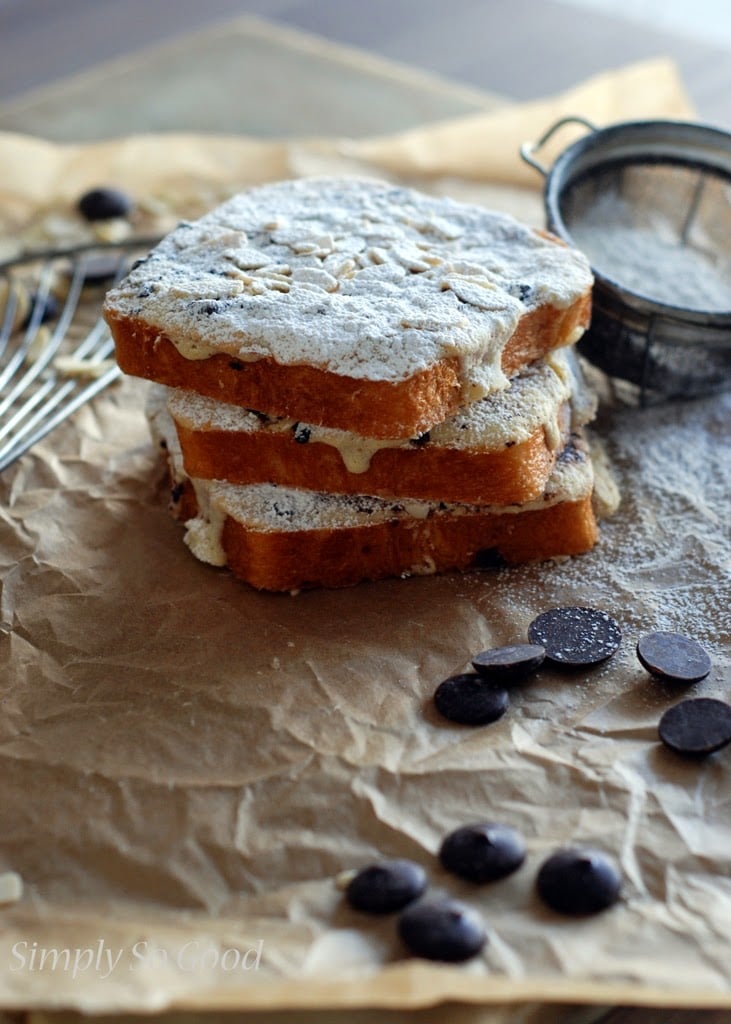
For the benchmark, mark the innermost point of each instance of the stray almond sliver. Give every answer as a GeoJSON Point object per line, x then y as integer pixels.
{"type": "Point", "coordinates": [11, 887]}
{"type": "Point", "coordinates": [83, 369]}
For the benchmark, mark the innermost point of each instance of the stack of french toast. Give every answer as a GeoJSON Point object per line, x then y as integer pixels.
{"type": "Point", "coordinates": [359, 381]}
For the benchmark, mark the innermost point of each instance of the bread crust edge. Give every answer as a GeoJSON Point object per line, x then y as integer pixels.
{"type": "Point", "coordinates": [296, 560]}
{"type": "Point", "coordinates": [371, 408]}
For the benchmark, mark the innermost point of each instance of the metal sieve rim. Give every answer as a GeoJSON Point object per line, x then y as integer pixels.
{"type": "Point", "coordinates": [680, 142]}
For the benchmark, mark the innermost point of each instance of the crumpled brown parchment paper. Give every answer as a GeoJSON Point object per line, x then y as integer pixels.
{"type": "Point", "coordinates": [188, 764]}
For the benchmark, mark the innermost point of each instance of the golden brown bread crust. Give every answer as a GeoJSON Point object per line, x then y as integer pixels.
{"type": "Point", "coordinates": [509, 476]}
{"type": "Point", "coordinates": [297, 560]}
{"type": "Point", "coordinates": [367, 407]}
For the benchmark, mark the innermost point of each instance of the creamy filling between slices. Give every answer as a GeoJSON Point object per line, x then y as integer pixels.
{"type": "Point", "coordinates": [202, 533]}
{"type": "Point", "coordinates": [534, 399]}
{"type": "Point", "coordinates": [270, 508]}
{"type": "Point", "coordinates": [360, 278]}
{"type": "Point", "coordinates": [267, 508]}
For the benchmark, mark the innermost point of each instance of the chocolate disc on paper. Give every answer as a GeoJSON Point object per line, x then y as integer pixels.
{"type": "Point", "coordinates": [470, 700]}
{"type": "Point", "coordinates": [442, 929]}
{"type": "Point", "coordinates": [696, 727]}
{"type": "Point", "coordinates": [575, 636]}
{"type": "Point", "coordinates": [482, 853]}
{"type": "Point", "coordinates": [385, 887]}
{"type": "Point", "coordinates": [673, 657]}
{"type": "Point", "coordinates": [104, 204]}
{"type": "Point", "coordinates": [579, 881]}
{"type": "Point", "coordinates": [509, 664]}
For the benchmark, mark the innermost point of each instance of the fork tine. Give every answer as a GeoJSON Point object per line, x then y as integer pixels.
{"type": "Point", "coordinates": [64, 387]}
{"type": "Point", "coordinates": [18, 357]}
{"type": "Point", "coordinates": [11, 305]}
{"type": "Point", "coordinates": [27, 407]}
{"type": "Point", "coordinates": [11, 452]}
{"type": "Point", "coordinates": [44, 358]}
{"type": "Point", "coordinates": [26, 410]}
{"type": "Point", "coordinates": [40, 395]}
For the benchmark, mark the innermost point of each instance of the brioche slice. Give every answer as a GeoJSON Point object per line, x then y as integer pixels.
{"type": "Point", "coordinates": [284, 539]}
{"type": "Point", "coordinates": [498, 451]}
{"type": "Point", "coordinates": [348, 303]}
{"type": "Point", "coordinates": [277, 538]}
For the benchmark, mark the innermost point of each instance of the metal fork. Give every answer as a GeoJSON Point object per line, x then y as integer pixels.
{"type": "Point", "coordinates": [36, 393]}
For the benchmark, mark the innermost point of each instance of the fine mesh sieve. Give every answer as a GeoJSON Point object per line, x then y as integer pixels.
{"type": "Point", "coordinates": [649, 203]}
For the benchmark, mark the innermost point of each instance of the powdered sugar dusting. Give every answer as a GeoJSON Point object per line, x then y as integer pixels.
{"type": "Point", "coordinates": [633, 231]}
{"type": "Point", "coordinates": [671, 538]}
{"type": "Point", "coordinates": [361, 278]}
{"type": "Point", "coordinates": [533, 400]}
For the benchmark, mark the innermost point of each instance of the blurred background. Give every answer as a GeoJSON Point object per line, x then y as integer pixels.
{"type": "Point", "coordinates": [507, 48]}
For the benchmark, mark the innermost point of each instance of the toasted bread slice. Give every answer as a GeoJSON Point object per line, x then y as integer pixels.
{"type": "Point", "coordinates": [348, 303]}
{"type": "Point", "coordinates": [499, 450]}
{"type": "Point", "coordinates": [284, 539]}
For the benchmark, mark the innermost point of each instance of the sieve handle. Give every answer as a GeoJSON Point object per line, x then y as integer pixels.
{"type": "Point", "coordinates": [528, 149]}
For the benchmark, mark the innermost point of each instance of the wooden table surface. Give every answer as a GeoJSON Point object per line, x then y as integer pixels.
{"type": "Point", "coordinates": [514, 48]}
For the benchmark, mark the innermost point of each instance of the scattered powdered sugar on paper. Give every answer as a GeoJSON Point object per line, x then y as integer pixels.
{"type": "Point", "coordinates": [663, 559]}
{"type": "Point", "coordinates": [676, 463]}
{"type": "Point", "coordinates": [362, 278]}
